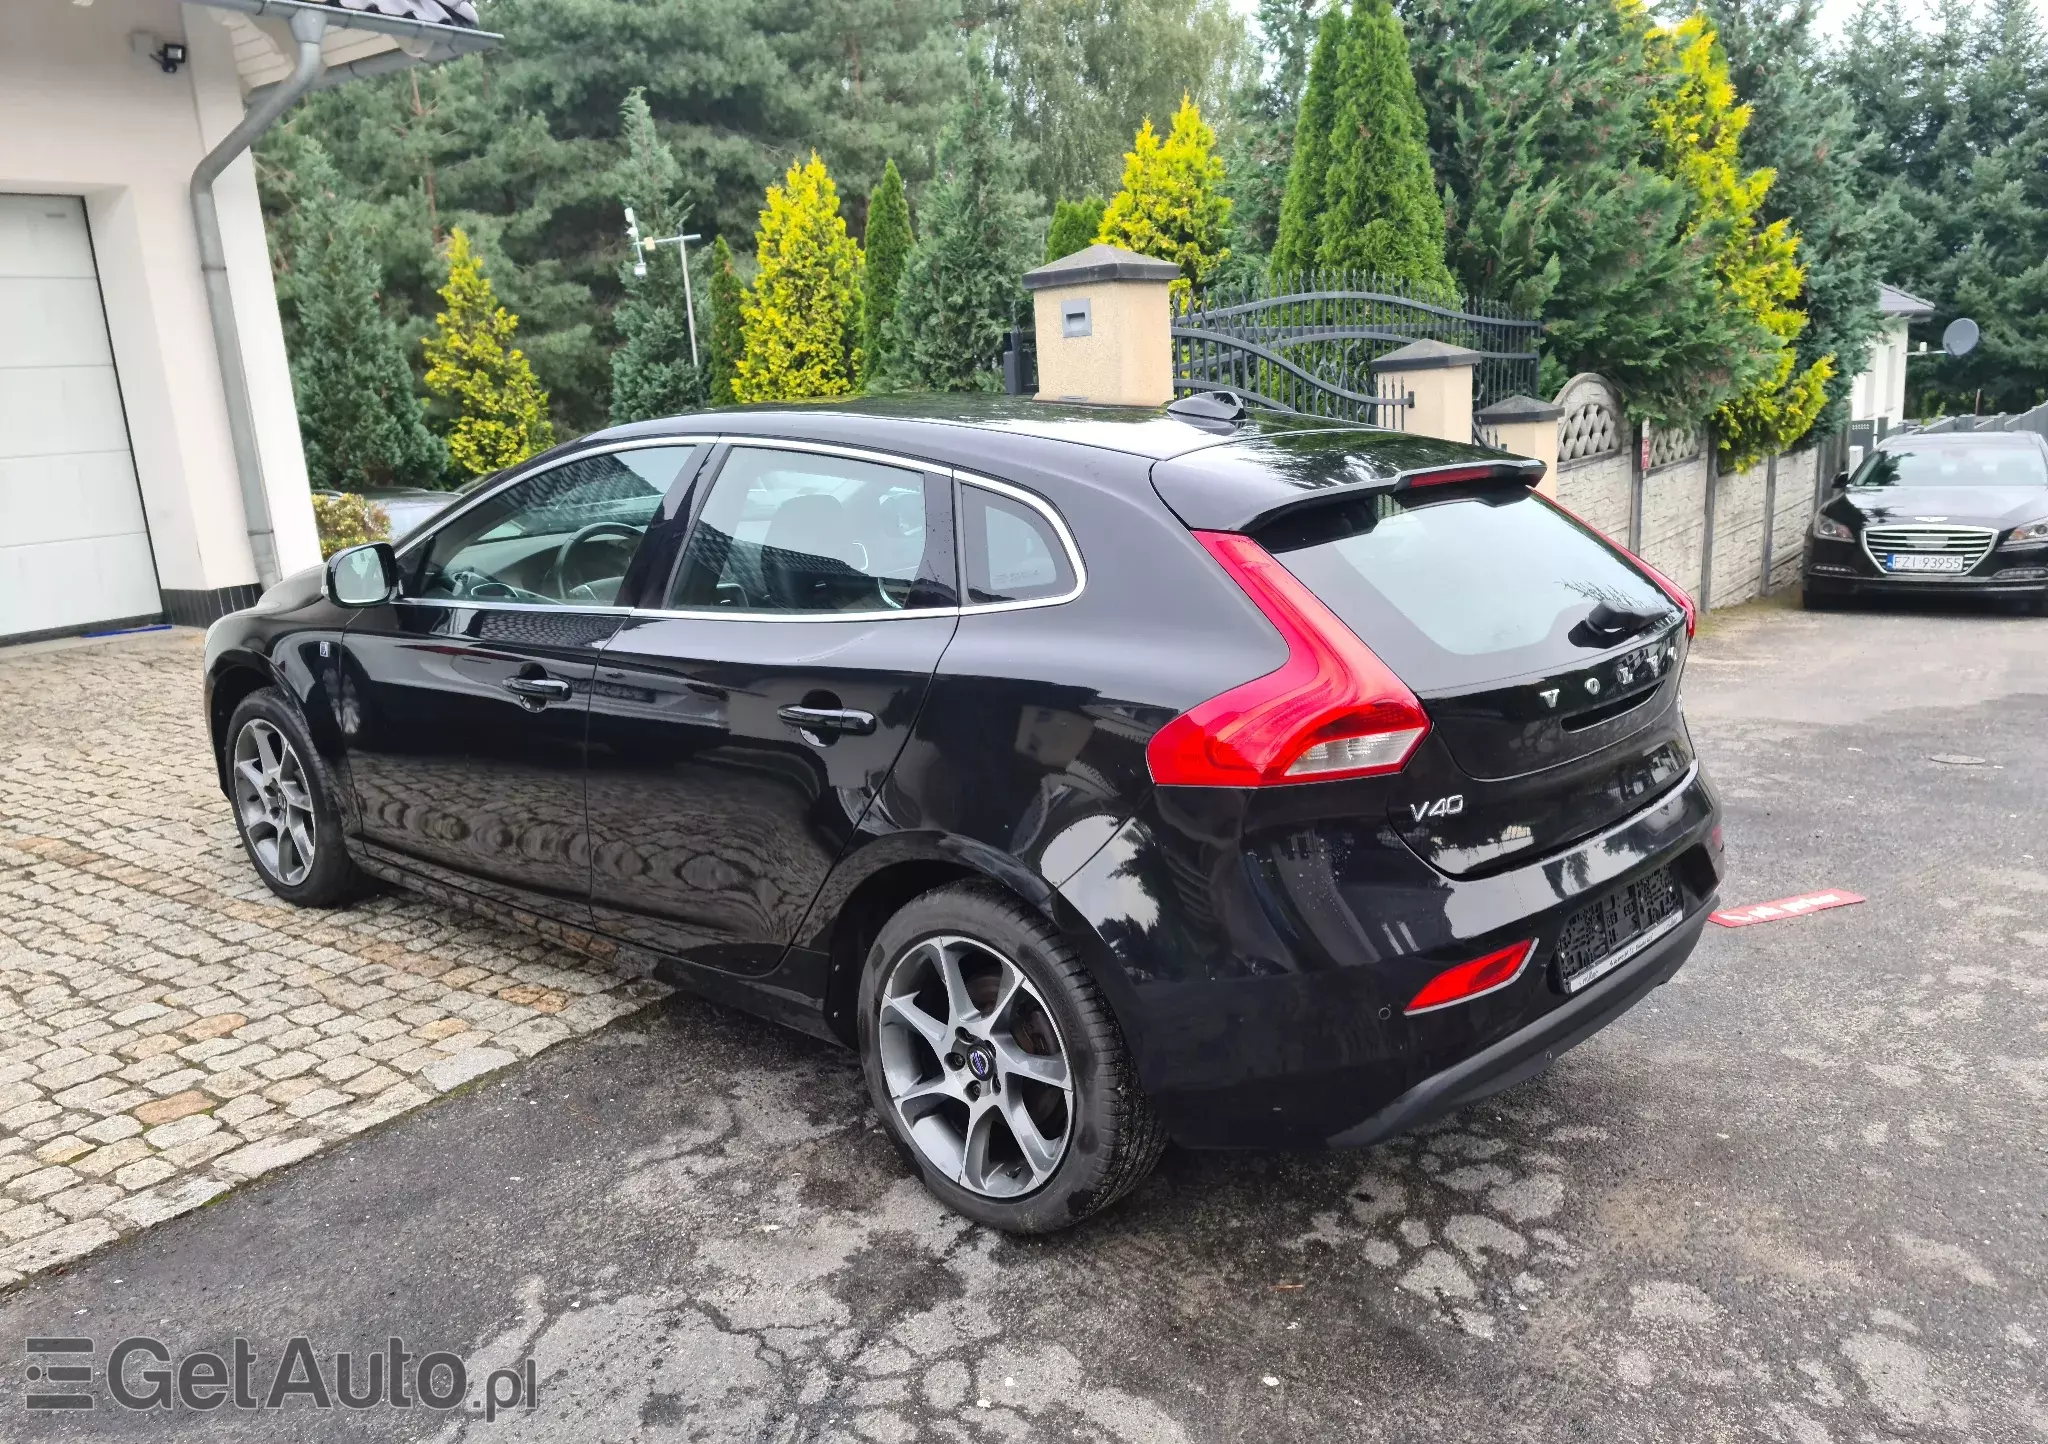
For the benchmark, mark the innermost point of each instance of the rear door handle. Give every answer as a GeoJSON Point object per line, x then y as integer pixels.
{"type": "Point", "coordinates": [538, 689]}
{"type": "Point", "coordinates": [828, 721]}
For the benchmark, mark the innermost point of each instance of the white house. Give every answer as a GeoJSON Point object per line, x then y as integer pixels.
{"type": "Point", "coordinates": [150, 465]}
{"type": "Point", "coordinates": [1879, 393]}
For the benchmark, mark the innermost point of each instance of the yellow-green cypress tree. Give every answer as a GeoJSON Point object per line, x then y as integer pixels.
{"type": "Point", "coordinates": [501, 413]}
{"type": "Point", "coordinates": [1699, 126]}
{"type": "Point", "coordinates": [1172, 205]}
{"type": "Point", "coordinates": [801, 319]}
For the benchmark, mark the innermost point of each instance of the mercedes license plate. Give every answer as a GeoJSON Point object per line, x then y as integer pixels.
{"type": "Point", "coordinates": [1923, 562]}
{"type": "Point", "coordinates": [1600, 938]}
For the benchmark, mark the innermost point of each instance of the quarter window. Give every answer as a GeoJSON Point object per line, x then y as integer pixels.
{"type": "Point", "coordinates": [562, 538]}
{"type": "Point", "coordinates": [797, 531]}
{"type": "Point", "coordinates": [1013, 552]}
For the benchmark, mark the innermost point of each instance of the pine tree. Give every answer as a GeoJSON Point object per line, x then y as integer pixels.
{"type": "Point", "coordinates": [1074, 226]}
{"type": "Point", "coordinates": [960, 290]}
{"type": "Point", "coordinates": [1172, 205]}
{"type": "Point", "coordinates": [1540, 129]}
{"type": "Point", "coordinates": [1803, 127]}
{"type": "Point", "coordinates": [1301, 204]}
{"type": "Point", "coordinates": [358, 415]}
{"type": "Point", "coordinates": [802, 315]}
{"type": "Point", "coordinates": [501, 412]}
{"type": "Point", "coordinates": [886, 247]}
{"type": "Point", "coordinates": [1381, 212]}
{"type": "Point", "coordinates": [1261, 136]}
{"type": "Point", "coordinates": [1699, 127]}
{"type": "Point", "coordinates": [728, 339]}
{"type": "Point", "coordinates": [653, 373]}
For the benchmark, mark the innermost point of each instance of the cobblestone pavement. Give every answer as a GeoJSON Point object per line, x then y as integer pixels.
{"type": "Point", "coordinates": [168, 1028]}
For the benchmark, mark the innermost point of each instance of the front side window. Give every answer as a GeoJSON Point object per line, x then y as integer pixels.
{"type": "Point", "coordinates": [562, 538]}
{"type": "Point", "coordinates": [796, 531]}
{"type": "Point", "coordinates": [1014, 554]}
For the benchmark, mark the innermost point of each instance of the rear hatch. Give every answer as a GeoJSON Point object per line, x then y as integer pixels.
{"type": "Point", "coordinates": [1546, 658]}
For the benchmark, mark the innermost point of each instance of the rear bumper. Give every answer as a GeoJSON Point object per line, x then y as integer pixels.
{"type": "Point", "coordinates": [1524, 1054]}
{"type": "Point", "coordinates": [1263, 1017]}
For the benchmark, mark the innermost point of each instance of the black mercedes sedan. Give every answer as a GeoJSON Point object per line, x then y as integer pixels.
{"type": "Point", "coordinates": [1945, 513]}
{"type": "Point", "coordinates": [1104, 776]}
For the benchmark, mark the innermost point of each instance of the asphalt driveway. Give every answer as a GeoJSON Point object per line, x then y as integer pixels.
{"type": "Point", "coordinates": [1800, 1195]}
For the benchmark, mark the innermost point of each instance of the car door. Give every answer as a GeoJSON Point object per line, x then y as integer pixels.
{"type": "Point", "coordinates": [464, 702]}
{"type": "Point", "coordinates": [740, 729]}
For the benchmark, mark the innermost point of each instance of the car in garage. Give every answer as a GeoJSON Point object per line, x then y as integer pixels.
{"type": "Point", "coordinates": [1935, 514]}
{"type": "Point", "coordinates": [1103, 775]}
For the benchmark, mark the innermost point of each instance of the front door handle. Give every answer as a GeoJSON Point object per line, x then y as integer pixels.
{"type": "Point", "coordinates": [538, 689]}
{"type": "Point", "coordinates": [828, 721]}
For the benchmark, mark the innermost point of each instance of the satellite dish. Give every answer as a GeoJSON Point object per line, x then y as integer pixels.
{"type": "Point", "coordinates": [1960, 339]}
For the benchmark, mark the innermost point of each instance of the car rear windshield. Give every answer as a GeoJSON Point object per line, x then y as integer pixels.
{"type": "Point", "coordinates": [1457, 589]}
{"type": "Point", "coordinates": [1954, 463]}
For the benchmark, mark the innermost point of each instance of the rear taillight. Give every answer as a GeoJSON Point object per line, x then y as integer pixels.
{"type": "Point", "coordinates": [1333, 709]}
{"type": "Point", "coordinates": [1472, 980]}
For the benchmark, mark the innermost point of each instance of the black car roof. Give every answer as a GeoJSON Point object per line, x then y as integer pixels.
{"type": "Point", "coordinates": [900, 422]}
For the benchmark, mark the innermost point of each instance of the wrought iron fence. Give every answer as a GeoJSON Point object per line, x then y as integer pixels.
{"type": "Point", "coordinates": [1312, 339]}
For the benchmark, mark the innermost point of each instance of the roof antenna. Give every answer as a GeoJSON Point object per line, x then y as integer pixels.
{"type": "Point", "coordinates": [1211, 410]}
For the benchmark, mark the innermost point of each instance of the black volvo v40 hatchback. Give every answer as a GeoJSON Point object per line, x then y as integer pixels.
{"type": "Point", "coordinates": [1942, 513]}
{"type": "Point", "coordinates": [1104, 776]}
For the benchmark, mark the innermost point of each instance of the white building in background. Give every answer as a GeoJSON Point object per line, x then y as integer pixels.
{"type": "Point", "coordinates": [1879, 393]}
{"type": "Point", "coordinates": [141, 478]}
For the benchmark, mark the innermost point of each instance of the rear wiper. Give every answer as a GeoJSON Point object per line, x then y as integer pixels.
{"type": "Point", "coordinates": [1607, 624]}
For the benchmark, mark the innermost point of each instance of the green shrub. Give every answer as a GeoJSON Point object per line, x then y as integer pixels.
{"type": "Point", "coordinates": [348, 520]}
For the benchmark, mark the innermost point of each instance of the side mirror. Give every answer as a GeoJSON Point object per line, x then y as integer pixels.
{"type": "Point", "coordinates": [364, 576]}
{"type": "Point", "coordinates": [1840, 483]}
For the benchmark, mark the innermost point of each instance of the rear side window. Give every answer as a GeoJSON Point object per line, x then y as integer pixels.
{"type": "Point", "coordinates": [1461, 588]}
{"type": "Point", "coordinates": [1013, 551]}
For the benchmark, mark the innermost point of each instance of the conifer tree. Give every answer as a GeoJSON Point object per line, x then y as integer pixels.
{"type": "Point", "coordinates": [652, 372]}
{"type": "Point", "coordinates": [501, 413]}
{"type": "Point", "coordinates": [358, 415]}
{"type": "Point", "coordinates": [1301, 204]}
{"type": "Point", "coordinates": [728, 339]}
{"type": "Point", "coordinates": [1172, 205]}
{"type": "Point", "coordinates": [1699, 127]}
{"type": "Point", "coordinates": [1381, 213]}
{"type": "Point", "coordinates": [886, 247]}
{"type": "Point", "coordinates": [1074, 226]}
{"type": "Point", "coordinates": [802, 316]}
{"type": "Point", "coordinates": [1540, 130]}
{"type": "Point", "coordinates": [960, 289]}
{"type": "Point", "coordinates": [1260, 141]}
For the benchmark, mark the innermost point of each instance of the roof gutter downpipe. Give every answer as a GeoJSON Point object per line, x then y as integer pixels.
{"type": "Point", "coordinates": [309, 28]}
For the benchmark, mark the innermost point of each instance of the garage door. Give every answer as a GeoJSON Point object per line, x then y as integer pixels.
{"type": "Point", "coordinates": [73, 547]}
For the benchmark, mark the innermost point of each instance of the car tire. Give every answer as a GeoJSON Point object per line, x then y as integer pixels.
{"type": "Point", "coordinates": [284, 798]}
{"type": "Point", "coordinates": [966, 1150]}
{"type": "Point", "coordinates": [1815, 601]}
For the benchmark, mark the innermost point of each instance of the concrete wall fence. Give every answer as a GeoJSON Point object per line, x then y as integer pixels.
{"type": "Point", "coordinates": [1725, 539]}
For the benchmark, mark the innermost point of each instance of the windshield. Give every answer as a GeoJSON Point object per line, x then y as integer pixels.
{"type": "Point", "coordinates": [1954, 463]}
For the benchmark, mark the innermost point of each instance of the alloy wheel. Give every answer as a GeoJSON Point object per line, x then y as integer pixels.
{"type": "Point", "coordinates": [273, 802]}
{"type": "Point", "coordinates": [975, 1066]}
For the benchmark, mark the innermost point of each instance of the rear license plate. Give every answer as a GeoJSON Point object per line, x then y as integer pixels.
{"type": "Point", "coordinates": [1598, 939]}
{"type": "Point", "coordinates": [1923, 562]}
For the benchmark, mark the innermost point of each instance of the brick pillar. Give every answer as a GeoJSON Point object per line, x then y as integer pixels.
{"type": "Point", "coordinates": [1527, 427]}
{"type": "Point", "coordinates": [1439, 376]}
{"type": "Point", "coordinates": [1103, 327]}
